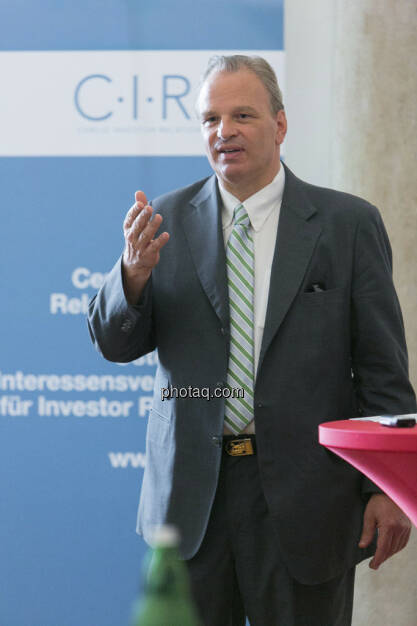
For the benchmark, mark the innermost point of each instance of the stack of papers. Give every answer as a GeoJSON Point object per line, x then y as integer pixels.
{"type": "Point", "coordinates": [383, 418]}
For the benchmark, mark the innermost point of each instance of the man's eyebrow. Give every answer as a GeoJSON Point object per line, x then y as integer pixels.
{"type": "Point", "coordinates": [207, 113]}
{"type": "Point", "coordinates": [238, 109]}
{"type": "Point", "coordinates": [244, 109]}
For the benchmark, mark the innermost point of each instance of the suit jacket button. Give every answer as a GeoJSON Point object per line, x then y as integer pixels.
{"type": "Point", "coordinates": [217, 441]}
{"type": "Point", "coordinates": [126, 326]}
{"type": "Point", "coordinates": [259, 405]}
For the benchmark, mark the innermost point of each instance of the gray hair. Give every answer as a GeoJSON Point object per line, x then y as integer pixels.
{"type": "Point", "coordinates": [255, 64]}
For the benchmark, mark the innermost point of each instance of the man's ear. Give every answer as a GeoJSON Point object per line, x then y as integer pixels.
{"type": "Point", "coordinates": [281, 120]}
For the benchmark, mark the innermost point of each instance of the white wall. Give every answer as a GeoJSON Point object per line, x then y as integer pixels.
{"type": "Point", "coordinates": [351, 93]}
{"type": "Point", "coordinates": [309, 33]}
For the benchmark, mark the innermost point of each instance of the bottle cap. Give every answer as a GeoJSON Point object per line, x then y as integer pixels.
{"type": "Point", "coordinates": [165, 536]}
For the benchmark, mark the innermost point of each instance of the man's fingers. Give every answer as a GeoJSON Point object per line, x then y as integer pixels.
{"type": "Point", "coordinates": [393, 528]}
{"type": "Point", "coordinates": [140, 202]}
{"type": "Point", "coordinates": [143, 229]}
{"type": "Point", "coordinates": [141, 197]}
{"type": "Point", "coordinates": [139, 223]}
{"type": "Point", "coordinates": [151, 254]}
{"type": "Point", "coordinates": [384, 548]}
{"type": "Point", "coordinates": [159, 242]}
{"type": "Point", "coordinates": [132, 214]}
{"type": "Point", "coordinates": [150, 230]}
{"type": "Point", "coordinates": [402, 540]}
{"type": "Point", "coordinates": [406, 537]}
{"type": "Point", "coordinates": [391, 540]}
{"type": "Point", "coordinates": [368, 531]}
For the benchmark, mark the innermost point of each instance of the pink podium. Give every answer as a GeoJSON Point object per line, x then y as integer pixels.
{"type": "Point", "coordinates": [388, 456]}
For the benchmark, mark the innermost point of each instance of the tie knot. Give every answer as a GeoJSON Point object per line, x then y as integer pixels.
{"type": "Point", "coordinates": [241, 217]}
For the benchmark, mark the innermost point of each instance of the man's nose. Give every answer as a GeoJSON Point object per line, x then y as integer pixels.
{"type": "Point", "coordinates": [226, 129]}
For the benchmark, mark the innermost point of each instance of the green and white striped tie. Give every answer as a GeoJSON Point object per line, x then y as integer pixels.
{"type": "Point", "coordinates": [240, 273]}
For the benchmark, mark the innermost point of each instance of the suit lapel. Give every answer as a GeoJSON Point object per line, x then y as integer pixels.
{"type": "Point", "coordinates": [296, 240]}
{"type": "Point", "coordinates": [203, 229]}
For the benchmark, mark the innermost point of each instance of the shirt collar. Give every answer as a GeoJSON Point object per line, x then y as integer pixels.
{"type": "Point", "coordinates": [259, 206]}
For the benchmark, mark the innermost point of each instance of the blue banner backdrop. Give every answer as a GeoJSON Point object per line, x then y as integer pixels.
{"type": "Point", "coordinates": [97, 101]}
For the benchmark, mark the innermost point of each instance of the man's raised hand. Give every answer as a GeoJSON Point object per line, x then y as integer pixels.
{"type": "Point", "coordinates": [141, 252]}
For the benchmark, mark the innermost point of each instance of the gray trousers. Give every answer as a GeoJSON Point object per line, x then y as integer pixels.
{"type": "Point", "coordinates": [238, 571]}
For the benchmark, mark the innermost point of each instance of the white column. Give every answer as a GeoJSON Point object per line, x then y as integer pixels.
{"type": "Point", "coordinates": [351, 103]}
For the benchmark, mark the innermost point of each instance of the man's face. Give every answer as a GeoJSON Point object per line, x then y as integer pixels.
{"type": "Point", "coordinates": [242, 136]}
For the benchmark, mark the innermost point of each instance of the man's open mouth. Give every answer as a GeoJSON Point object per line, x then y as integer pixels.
{"type": "Point", "coordinates": [233, 150]}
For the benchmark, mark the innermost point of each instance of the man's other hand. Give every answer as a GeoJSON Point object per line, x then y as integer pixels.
{"type": "Point", "coordinates": [393, 526]}
{"type": "Point", "coordinates": [141, 252]}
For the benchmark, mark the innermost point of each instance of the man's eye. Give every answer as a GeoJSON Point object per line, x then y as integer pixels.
{"type": "Point", "coordinates": [209, 120]}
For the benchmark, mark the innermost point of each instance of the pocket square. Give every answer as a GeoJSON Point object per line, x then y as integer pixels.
{"type": "Point", "coordinates": [315, 287]}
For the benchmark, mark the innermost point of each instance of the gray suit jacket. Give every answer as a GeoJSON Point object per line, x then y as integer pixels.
{"type": "Point", "coordinates": [325, 355]}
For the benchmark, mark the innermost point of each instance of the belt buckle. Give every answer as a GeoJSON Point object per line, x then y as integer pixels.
{"type": "Point", "coordinates": [239, 447]}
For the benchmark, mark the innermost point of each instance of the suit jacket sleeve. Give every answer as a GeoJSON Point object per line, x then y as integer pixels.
{"type": "Point", "coordinates": [120, 331]}
{"type": "Point", "coordinates": [379, 353]}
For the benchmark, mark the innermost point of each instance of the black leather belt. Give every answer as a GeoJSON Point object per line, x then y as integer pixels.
{"type": "Point", "coordinates": [239, 445]}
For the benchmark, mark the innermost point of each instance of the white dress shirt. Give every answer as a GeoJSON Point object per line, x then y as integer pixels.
{"type": "Point", "coordinates": [263, 209]}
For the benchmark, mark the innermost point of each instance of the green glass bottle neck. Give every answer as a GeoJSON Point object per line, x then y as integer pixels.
{"type": "Point", "coordinates": [166, 574]}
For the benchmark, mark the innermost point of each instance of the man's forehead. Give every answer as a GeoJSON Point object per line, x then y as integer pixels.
{"type": "Point", "coordinates": [243, 85]}
{"type": "Point", "coordinates": [223, 78]}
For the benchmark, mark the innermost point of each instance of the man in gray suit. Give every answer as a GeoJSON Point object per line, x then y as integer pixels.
{"type": "Point", "coordinates": [283, 291]}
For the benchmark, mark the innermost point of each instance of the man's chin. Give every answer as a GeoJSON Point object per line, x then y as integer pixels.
{"type": "Point", "coordinates": [232, 174]}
